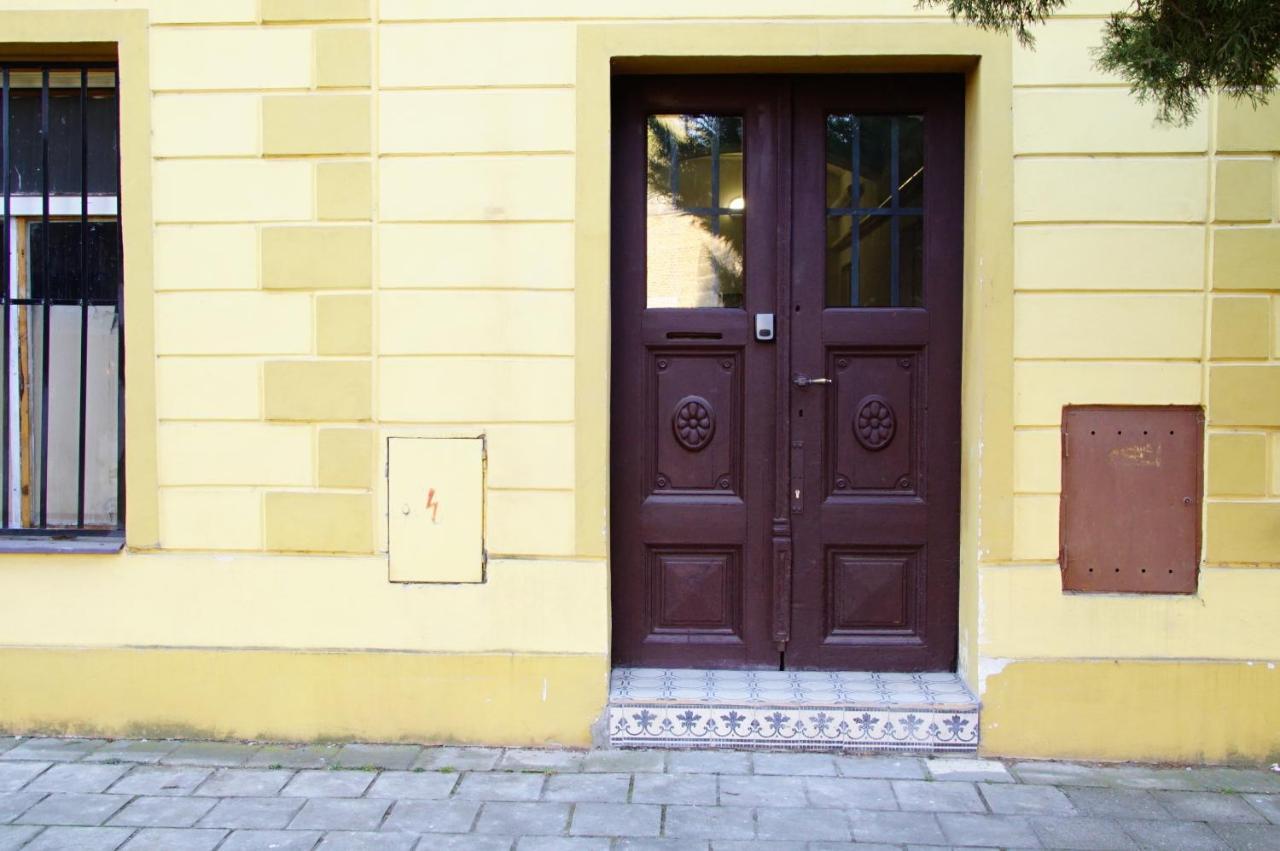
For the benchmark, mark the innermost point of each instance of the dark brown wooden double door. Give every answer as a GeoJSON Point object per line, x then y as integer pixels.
{"type": "Point", "coordinates": [786, 326]}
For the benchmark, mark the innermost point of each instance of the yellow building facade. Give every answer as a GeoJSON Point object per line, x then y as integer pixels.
{"type": "Point", "coordinates": [350, 222]}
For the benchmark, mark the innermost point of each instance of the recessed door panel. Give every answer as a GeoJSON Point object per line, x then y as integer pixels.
{"type": "Point", "coordinates": [695, 418]}
{"type": "Point", "coordinates": [873, 433]}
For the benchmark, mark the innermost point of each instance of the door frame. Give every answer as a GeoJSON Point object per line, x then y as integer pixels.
{"type": "Point", "coordinates": [986, 478]}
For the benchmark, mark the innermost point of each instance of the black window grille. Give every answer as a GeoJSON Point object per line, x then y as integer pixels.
{"type": "Point", "coordinates": [62, 340]}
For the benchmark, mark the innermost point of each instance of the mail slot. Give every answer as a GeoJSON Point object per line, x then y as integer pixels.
{"type": "Point", "coordinates": [1131, 495]}
{"type": "Point", "coordinates": [435, 506]}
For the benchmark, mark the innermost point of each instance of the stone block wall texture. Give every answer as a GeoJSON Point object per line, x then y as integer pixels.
{"type": "Point", "coordinates": [364, 226]}
{"type": "Point", "coordinates": [1147, 270]}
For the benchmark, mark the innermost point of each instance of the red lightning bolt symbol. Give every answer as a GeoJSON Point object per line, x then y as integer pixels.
{"type": "Point", "coordinates": [432, 504]}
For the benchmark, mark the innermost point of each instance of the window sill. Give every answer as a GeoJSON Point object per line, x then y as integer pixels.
{"type": "Point", "coordinates": [86, 545]}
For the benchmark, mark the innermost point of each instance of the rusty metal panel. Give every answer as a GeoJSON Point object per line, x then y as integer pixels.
{"type": "Point", "coordinates": [1131, 494]}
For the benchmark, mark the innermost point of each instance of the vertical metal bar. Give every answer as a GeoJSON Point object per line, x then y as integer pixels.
{"type": "Point", "coordinates": [4, 273]}
{"type": "Point", "coordinates": [855, 222]}
{"type": "Point", "coordinates": [673, 167]}
{"type": "Point", "coordinates": [120, 386]}
{"type": "Point", "coordinates": [84, 287]}
{"type": "Point", "coordinates": [715, 176]}
{"type": "Point", "coordinates": [895, 298]}
{"type": "Point", "coordinates": [45, 314]}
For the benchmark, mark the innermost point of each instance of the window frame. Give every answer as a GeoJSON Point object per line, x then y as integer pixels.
{"type": "Point", "coordinates": [19, 213]}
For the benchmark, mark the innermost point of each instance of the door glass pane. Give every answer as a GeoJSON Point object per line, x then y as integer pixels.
{"type": "Point", "coordinates": [875, 215]}
{"type": "Point", "coordinates": [696, 209]}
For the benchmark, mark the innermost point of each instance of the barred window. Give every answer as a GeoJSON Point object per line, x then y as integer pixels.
{"type": "Point", "coordinates": [62, 430]}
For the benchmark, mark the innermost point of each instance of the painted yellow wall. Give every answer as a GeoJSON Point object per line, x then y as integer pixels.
{"type": "Point", "coordinates": [361, 219]}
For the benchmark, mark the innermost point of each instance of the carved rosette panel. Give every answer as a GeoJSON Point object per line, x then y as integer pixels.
{"type": "Point", "coordinates": [875, 423]}
{"type": "Point", "coordinates": [694, 422]}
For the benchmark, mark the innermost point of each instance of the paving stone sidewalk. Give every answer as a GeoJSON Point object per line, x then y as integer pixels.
{"type": "Point", "coordinates": [95, 795]}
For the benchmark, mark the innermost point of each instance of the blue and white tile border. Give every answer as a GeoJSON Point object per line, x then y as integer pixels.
{"type": "Point", "coordinates": [843, 727]}
{"type": "Point", "coordinates": [835, 710]}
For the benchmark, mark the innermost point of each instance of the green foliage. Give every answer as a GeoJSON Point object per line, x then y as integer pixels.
{"type": "Point", "coordinates": [1016, 16]}
{"type": "Point", "coordinates": [1172, 52]}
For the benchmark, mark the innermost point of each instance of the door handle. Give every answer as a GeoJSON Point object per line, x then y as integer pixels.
{"type": "Point", "coordinates": [805, 381]}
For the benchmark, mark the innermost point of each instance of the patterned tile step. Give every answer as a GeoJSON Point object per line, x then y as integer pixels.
{"type": "Point", "coordinates": [791, 709]}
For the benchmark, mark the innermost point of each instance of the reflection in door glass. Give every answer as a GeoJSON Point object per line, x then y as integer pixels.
{"type": "Point", "coordinates": [875, 210]}
{"type": "Point", "coordinates": [696, 211]}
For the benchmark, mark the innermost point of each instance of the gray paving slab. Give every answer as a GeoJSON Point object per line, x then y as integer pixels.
{"type": "Point", "coordinates": [310, 783]}
{"type": "Point", "coordinates": [78, 810]}
{"type": "Point", "coordinates": [53, 749]}
{"type": "Point", "coordinates": [938, 796]}
{"type": "Point", "coordinates": [458, 759]}
{"type": "Point", "coordinates": [432, 816]}
{"type": "Point", "coordinates": [709, 762]}
{"type": "Point", "coordinates": [170, 839]}
{"type": "Point", "coordinates": [1180, 835]}
{"type": "Point", "coordinates": [674, 789]}
{"type": "Point", "coordinates": [14, 804]}
{"type": "Point", "coordinates": [561, 843]}
{"type": "Point", "coordinates": [377, 756]}
{"type": "Point", "coordinates": [508, 818]}
{"type": "Point", "coordinates": [162, 812]}
{"type": "Point", "coordinates": [13, 837]}
{"type": "Point", "coordinates": [956, 768]}
{"type": "Point", "coordinates": [991, 831]}
{"type": "Point", "coordinates": [133, 750]}
{"type": "Point", "coordinates": [859, 846]}
{"type": "Point", "coordinates": [160, 780]}
{"type": "Point", "coordinates": [1208, 806]}
{"type": "Point", "coordinates": [15, 775]}
{"type": "Point", "coordinates": [795, 824]}
{"type": "Point", "coordinates": [1249, 837]}
{"type": "Point", "coordinates": [850, 793]}
{"type": "Point", "coordinates": [1081, 832]}
{"type": "Point", "coordinates": [341, 814]}
{"type": "Point", "coordinates": [1058, 773]}
{"type": "Point", "coordinates": [1148, 777]}
{"type": "Point", "coordinates": [1238, 780]}
{"type": "Point", "coordinates": [882, 767]}
{"type": "Point", "coordinates": [271, 840]}
{"type": "Point", "coordinates": [367, 840]}
{"type": "Point", "coordinates": [78, 777]}
{"type": "Point", "coordinates": [253, 813]}
{"type": "Point", "coordinates": [794, 764]}
{"type": "Point", "coordinates": [10, 742]}
{"type": "Point", "coordinates": [534, 759]}
{"type": "Point", "coordinates": [467, 842]}
{"type": "Point", "coordinates": [1026, 800]}
{"type": "Point", "coordinates": [1267, 805]}
{"type": "Point", "coordinates": [896, 828]}
{"type": "Point", "coordinates": [80, 839]}
{"type": "Point", "coordinates": [245, 782]}
{"type": "Point", "coordinates": [625, 761]}
{"type": "Point", "coordinates": [709, 823]}
{"type": "Point", "coordinates": [214, 754]}
{"type": "Point", "coordinates": [587, 788]}
{"type": "Point", "coordinates": [753, 791]}
{"type": "Point", "coordinates": [616, 820]}
{"type": "Point", "coordinates": [661, 845]}
{"type": "Point", "coordinates": [494, 786]}
{"type": "Point", "coordinates": [294, 756]}
{"type": "Point", "coordinates": [413, 784]}
{"type": "Point", "coordinates": [1115, 803]}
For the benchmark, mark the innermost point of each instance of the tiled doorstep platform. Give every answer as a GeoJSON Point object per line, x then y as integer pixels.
{"type": "Point", "coordinates": [806, 710]}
